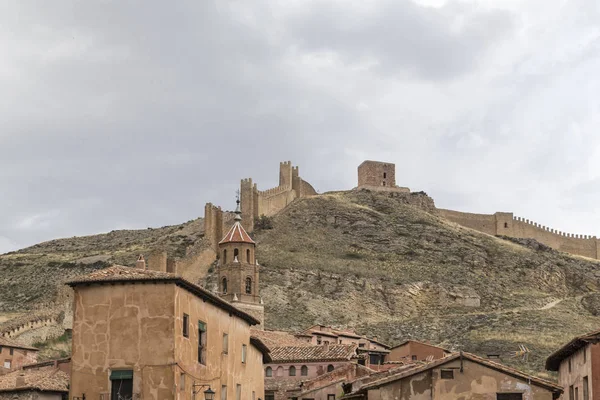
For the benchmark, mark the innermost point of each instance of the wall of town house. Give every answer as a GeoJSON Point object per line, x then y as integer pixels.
{"type": "Point", "coordinates": [222, 368]}
{"type": "Point", "coordinates": [476, 382]}
{"type": "Point", "coordinates": [581, 366]}
{"type": "Point", "coordinates": [113, 328]}
{"type": "Point", "coordinates": [420, 350]}
{"type": "Point", "coordinates": [281, 381]}
{"type": "Point", "coordinates": [18, 358]}
{"type": "Point", "coordinates": [115, 325]}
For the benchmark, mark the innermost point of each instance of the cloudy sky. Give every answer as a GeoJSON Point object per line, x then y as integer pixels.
{"type": "Point", "coordinates": [129, 114]}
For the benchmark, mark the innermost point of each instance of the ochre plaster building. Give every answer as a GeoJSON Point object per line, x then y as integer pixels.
{"type": "Point", "coordinates": [14, 355]}
{"type": "Point", "coordinates": [413, 350]}
{"type": "Point", "coordinates": [578, 366]}
{"type": "Point", "coordinates": [139, 333]}
{"type": "Point", "coordinates": [459, 376]}
{"type": "Point", "coordinates": [371, 352]}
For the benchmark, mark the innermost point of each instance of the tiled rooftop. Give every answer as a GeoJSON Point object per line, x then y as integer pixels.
{"type": "Point", "coordinates": [49, 380]}
{"type": "Point", "coordinates": [335, 352]}
{"type": "Point", "coordinates": [6, 342]}
{"type": "Point", "coordinates": [274, 339]}
{"type": "Point", "coordinates": [237, 234]}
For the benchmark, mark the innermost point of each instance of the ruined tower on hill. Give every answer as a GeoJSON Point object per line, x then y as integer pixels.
{"type": "Point", "coordinates": [255, 203]}
{"type": "Point", "coordinates": [238, 270]}
{"type": "Point", "coordinates": [379, 176]}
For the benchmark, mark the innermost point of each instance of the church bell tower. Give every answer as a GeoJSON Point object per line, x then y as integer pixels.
{"type": "Point", "coordinates": [238, 270]}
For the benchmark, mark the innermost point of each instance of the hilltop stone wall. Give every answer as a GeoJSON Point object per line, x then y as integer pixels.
{"type": "Point", "coordinates": [254, 202]}
{"type": "Point", "coordinates": [506, 224]}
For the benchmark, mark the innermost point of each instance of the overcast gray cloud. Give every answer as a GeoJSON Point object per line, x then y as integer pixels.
{"type": "Point", "coordinates": [132, 114]}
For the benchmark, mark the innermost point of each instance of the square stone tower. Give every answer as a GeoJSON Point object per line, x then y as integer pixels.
{"type": "Point", "coordinates": [376, 173]}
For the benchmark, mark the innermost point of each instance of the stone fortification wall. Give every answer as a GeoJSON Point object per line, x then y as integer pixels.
{"type": "Point", "coordinates": [485, 223]}
{"type": "Point", "coordinates": [254, 202]}
{"type": "Point", "coordinates": [506, 224]}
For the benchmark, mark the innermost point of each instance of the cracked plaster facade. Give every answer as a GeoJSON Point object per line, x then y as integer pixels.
{"type": "Point", "coordinates": [138, 326]}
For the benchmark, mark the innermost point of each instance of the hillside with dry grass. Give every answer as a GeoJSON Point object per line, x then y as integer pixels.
{"type": "Point", "coordinates": [383, 264]}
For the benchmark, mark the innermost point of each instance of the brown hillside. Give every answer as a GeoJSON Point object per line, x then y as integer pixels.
{"type": "Point", "coordinates": [369, 261]}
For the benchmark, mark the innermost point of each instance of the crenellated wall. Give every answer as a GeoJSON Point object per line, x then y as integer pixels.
{"type": "Point", "coordinates": [254, 202]}
{"type": "Point", "coordinates": [506, 224]}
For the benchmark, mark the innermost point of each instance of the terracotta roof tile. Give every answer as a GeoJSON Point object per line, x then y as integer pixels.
{"type": "Point", "coordinates": [334, 352]}
{"type": "Point", "coordinates": [6, 342]}
{"type": "Point", "coordinates": [121, 274]}
{"type": "Point", "coordinates": [274, 339]}
{"type": "Point", "coordinates": [47, 380]}
{"type": "Point", "coordinates": [237, 234]}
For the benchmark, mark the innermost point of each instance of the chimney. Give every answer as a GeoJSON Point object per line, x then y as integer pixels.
{"type": "Point", "coordinates": [140, 263]}
{"type": "Point", "coordinates": [158, 261]}
{"type": "Point", "coordinates": [20, 380]}
{"type": "Point", "coordinates": [172, 265]}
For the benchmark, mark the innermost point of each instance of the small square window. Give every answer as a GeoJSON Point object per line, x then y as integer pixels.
{"type": "Point", "coordinates": [414, 358]}
{"type": "Point", "coordinates": [7, 364]}
{"type": "Point", "coordinates": [447, 374]}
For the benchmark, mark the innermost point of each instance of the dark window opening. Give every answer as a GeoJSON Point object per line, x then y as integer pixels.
{"type": "Point", "coordinates": [236, 253]}
{"type": "Point", "coordinates": [121, 385]}
{"type": "Point", "coordinates": [331, 397]}
{"type": "Point", "coordinates": [292, 371]}
{"type": "Point", "coordinates": [569, 365]}
{"type": "Point", "coordinates": [269, 372]}
{"type": "Point", "coordinates": [330, 368]}
{"type": "Point", "coordinates": [318, 339]}
{"type": "Point", "coordinates": [269, 396]}
{"type": "Point", "coordinates": [447, 374]}
{"type": "Point", "coordinates": [383, 183]}
{"type": "Point", "coordinates": [224, 256]}
{"type": "Point", "coordinates": [384, 175]}
{"type": "Point", "coordinates": [509, 396]}
{"type": "Point", "coordinates": [304, 370]}
{"type": "Point", "coordinates": [248, 256]}
{"type": "Point", "coordinates": [375, 359]}
{"type": "Point", "coordinates": [361, 361]}
{"type": "Point", "coordinates": [248, 285]}
{"type": "Point", "coordinates": [201, 342]}
{"type": "Point", "coordinates": [586, 389]}
{"type": "Point", "coordinates": [506, 224]}
{"type": "Point", "coordinates": [571, 393]}
{"type": "Point", "coordinates": [224, 285]}
{"type": "Point", "coordinates": [186, 323]}
{"type": "Point", "coordinates": [414, 358]}
{"type": "Point", "coordinates": [12, 351]}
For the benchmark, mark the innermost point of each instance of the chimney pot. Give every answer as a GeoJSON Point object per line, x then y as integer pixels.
{"type": "Point", "coordinates": [140, 263]}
